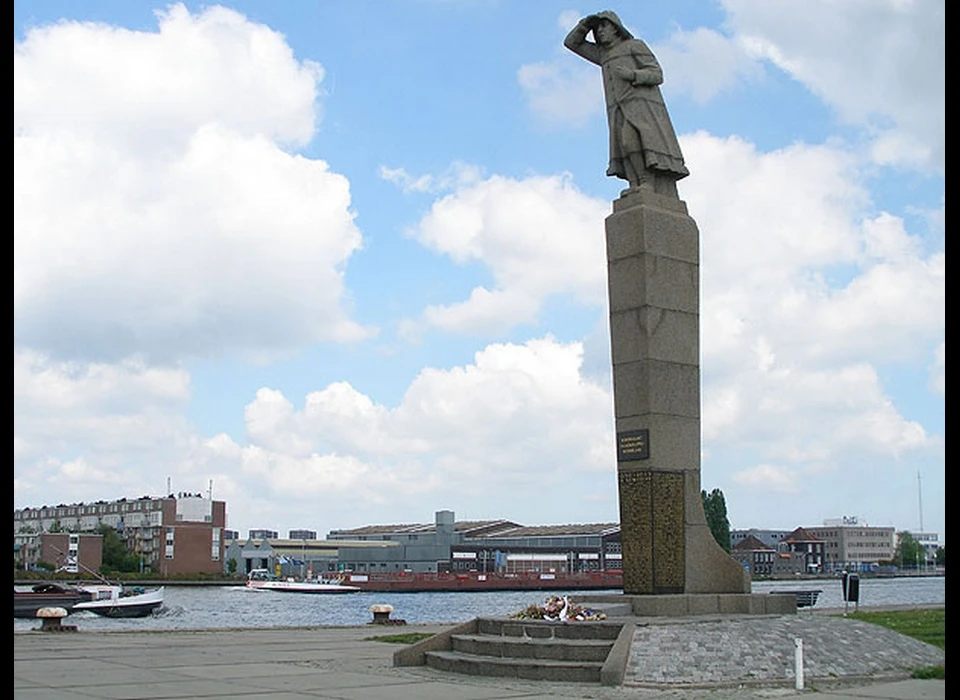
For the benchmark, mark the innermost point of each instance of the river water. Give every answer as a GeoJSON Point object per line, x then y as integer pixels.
{"type": "Point", "coordinates": [222, 607]}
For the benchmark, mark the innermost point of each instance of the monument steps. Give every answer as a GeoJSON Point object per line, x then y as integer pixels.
{"type": "Point", "coordinates": [527, 669]}
{"type": "Point", "coordinates": [527, 648]}
{"type": "Point", "coordinates": [585, 652]}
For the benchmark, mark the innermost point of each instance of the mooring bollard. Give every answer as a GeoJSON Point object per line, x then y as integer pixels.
{"type": "Point", "coordinates": [50, 620]}
{"type": "Point", "coordinates": [381, 613]}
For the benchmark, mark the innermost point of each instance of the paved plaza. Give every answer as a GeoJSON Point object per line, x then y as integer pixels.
{"type": "Point", "coordinates": [715, 659]}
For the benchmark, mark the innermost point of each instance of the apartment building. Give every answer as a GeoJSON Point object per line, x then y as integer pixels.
{"type": "Point", "coordinates": [175, 534]}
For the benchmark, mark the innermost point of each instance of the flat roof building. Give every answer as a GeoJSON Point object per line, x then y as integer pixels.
{"type": "Point", "coordinates": [445, 545]}
{"type": "Point", "coordinates": [852, 545]}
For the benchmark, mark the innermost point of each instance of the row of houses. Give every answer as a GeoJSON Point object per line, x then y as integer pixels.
{"type": "Point", "coordinates": [797, 552]}
{"type": "Point", "coordinates": [186, 534]}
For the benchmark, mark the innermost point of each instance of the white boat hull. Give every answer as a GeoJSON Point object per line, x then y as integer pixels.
{"type": "Point", "coordinates": [115, 601]}
{"type": "Point", "coordinates": [301, 587]}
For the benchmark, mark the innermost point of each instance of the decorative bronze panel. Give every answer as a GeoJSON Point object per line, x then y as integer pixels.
{"type": "Point", "coordinates": [668, 571]}
{"type": "Point", "coordinates": [652, 531]}
{"type": "Point", "coordinates": [636, 532]}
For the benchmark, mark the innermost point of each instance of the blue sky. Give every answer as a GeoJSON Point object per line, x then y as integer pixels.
{"type": "Point", "coordinates": [344, 261]}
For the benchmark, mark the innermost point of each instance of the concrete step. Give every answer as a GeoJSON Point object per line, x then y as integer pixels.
{"type": "Point", "coordinates": [532, 647]}
{"type": "Point", "coordinates": [527, 669]}
{"type": "Point", "coordinates": [543, 629]}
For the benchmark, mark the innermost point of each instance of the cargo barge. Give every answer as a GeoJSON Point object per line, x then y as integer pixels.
{"type": "Point", "coordinates": [474, 581]}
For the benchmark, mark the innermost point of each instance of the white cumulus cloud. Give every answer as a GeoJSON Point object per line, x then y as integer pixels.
{"type": "Point", "coordinates": [879, 63]}
{"type": "Point", "coordinates": [157, 210]}
{"type": "Point", "coordinates": [519, 417]}
{"type": "Point", "coordinates": [538, 236]}
{"type": "Point", "coordinates": [768, 477]}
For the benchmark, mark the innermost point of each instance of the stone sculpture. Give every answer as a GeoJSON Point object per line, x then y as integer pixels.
{"type": "Point", "coordinates": [653, 281]}
{"type": "Point", "coordinates": [644, 149]}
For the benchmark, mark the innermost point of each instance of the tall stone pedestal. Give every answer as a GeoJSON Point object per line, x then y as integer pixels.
{"type": "Point", "coordinates": [653, 281]}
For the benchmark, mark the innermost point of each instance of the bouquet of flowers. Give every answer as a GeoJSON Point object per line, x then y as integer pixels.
{"type": "Point", "coordinates": [558, 609]}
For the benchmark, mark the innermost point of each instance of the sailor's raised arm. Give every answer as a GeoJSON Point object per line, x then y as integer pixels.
{"type": "Point", "coordinates": [577, 42]}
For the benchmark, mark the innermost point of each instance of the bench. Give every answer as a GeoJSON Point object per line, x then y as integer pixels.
{"type": "Point", "coordinates": [805, 599]}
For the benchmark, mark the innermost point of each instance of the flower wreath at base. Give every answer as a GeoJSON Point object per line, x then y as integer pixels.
{"type": "Point", "coordinates": [558, 609]}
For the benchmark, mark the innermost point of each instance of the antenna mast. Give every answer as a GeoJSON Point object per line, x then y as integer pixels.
{"type": "Point", "coordinates": [920, 504]}
{"type": "Point", "coordinates": [920, 500]}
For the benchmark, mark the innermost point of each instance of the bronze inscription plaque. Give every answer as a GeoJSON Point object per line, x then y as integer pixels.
{"type": "Point", "coordinates": [633, 444]}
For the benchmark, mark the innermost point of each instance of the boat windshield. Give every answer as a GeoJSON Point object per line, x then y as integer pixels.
{"type": "Point", "coordinates": [261, 575]}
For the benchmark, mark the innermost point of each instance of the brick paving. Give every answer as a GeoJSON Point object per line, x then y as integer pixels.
{"type": "Point", "coordinates": [706, 652]}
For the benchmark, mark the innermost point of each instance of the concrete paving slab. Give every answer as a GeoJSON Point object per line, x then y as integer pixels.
{"type": "Point", "coordinates": [896, 690]}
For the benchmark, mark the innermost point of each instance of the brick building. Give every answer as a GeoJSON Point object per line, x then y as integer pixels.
{"type": "Point", "coordinates": [70, 552]}
{"type": "Point", "coordinates": [175, 534]}
{"type": "Point", "coordinates": [808, 546]}
{"type": "Point", "coordinates": [755, 556]}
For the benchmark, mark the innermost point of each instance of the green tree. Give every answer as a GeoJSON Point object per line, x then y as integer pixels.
{"type": "Point", "coordinates": [941, 556]}
{"type": "Point", "coordinates": [909, 552]}
{"type": "Point", "coordinates": [715, 508]}
{"type": "Point", "coordinates": [116, 556]}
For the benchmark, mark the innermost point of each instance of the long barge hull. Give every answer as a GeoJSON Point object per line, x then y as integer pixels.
{"type": "Point", "coordinates": [27, 603]}
{"type": "Point", "coordinates": [414, 583]}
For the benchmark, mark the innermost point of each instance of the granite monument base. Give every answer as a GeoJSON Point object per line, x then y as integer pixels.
{"type": "Point", "coordinates": [653, 276]}
{"type": "Point", "coordinates": [684, 604]}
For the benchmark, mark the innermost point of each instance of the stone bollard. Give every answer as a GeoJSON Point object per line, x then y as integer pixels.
{"type": "Point", "coordinates": [50, 620]}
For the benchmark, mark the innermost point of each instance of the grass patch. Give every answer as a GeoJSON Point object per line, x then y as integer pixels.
{"type": "Point", "coordinates": [408, 638]}
{"type": "Point", "coordinates": [926, 625]}
{"type": "Point", "coordinates": [928, 672]}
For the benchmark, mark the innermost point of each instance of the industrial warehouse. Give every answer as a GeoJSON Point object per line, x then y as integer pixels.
{"type": "Point", "coordinates": [442, 547]}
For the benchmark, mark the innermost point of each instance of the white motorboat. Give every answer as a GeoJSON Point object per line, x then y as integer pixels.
{"type": "Point", "coordinates": [263, 580]}
{"type": "Point", "coordinates": [121, 601]}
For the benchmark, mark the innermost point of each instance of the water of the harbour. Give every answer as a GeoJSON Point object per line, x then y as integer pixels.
{"type": "Point", "coordinates": [225, 607]}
